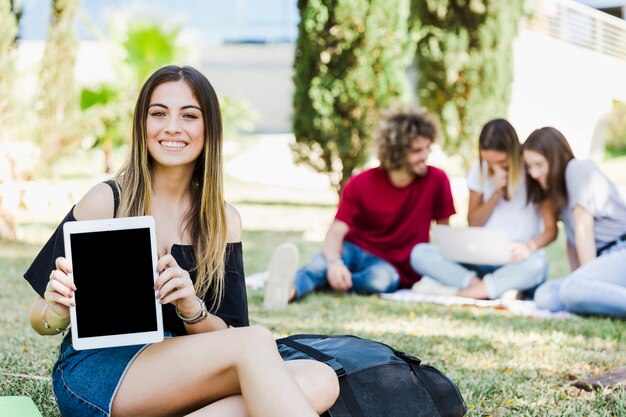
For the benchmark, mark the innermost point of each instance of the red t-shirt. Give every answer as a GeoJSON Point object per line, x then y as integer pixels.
{"type": "Point", "coordinates": [388, 221]}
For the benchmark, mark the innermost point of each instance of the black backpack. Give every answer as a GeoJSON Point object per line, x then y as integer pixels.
{"type": "Point", "coordinates": [375, 379]}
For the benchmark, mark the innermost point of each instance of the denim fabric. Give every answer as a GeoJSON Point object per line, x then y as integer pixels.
{"type": "Point", "coordinates": [427, 259]}
{"type": "Point", "coordinates": [370, 274]}
{"type": "Point", "coordinates": [598, 287]}
{"type": "Point", "coordinates": [85, 381]}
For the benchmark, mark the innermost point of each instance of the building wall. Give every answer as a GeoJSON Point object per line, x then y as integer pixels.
{"type": "Point", "coordinates": [555, 83]}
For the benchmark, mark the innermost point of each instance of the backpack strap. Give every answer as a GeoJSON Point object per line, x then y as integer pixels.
{"type": "Point", "coordinates": [344, 385]}
{"type": "Point", "coordinates": [116, 195]}
{"type": "Point", "coordinates": [439, 392]}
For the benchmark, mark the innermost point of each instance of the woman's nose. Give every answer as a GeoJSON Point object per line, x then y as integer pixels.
{"type": "Point", "coordinates": [172, 125]}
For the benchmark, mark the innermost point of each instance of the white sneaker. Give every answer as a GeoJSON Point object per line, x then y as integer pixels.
{"type": "Point", "coordinates": [281, 277]}
{"type": "Point", "coordinates": [427, 285]}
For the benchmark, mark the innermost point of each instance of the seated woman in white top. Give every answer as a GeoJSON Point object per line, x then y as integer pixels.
{"type": "Point", "coordinates": [498, 201]}
{"type": "Point", "coordinates": [594, 215]}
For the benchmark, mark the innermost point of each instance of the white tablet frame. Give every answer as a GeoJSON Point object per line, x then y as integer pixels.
{"type": "Point", "coordinates": [103, 225]}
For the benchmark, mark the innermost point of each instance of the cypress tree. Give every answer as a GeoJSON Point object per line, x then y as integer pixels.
{"type": "Point", "coordinates": [350, 63]}
{"type": "Point", "coordinates": [464, 59]}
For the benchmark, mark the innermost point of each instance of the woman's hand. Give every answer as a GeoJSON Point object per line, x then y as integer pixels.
{"type": "Point", "coordinates": [59, 294]}
{"type": "Point", "coordinates": [520, 251]}
{"type": "Point", "coordinates": [500, 181]}
{"type": "Point", "coordinates": [174, 286]}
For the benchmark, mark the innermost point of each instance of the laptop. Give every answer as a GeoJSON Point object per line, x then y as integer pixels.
{"type": "Point", "coordinates": [472, 245]}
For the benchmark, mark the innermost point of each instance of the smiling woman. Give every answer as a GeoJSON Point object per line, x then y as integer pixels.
{"type": "Point", "coordinates": [220, 365]}
{"type": "Point", "coordinates": [594, 216]}
{"type": "Point", "coordinates": [175, 128]}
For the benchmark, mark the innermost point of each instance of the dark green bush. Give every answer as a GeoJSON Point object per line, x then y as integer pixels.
{"type": "Point", "coordinates": [464, 59]}
{"type": "Point", "coordinates": [350, 62]}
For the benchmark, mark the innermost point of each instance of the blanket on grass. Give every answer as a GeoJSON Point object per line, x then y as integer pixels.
{"type": "Point", "coordinates": [521, 307]}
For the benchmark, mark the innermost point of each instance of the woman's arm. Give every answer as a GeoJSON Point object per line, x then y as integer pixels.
{"type": "Point", "coordinates": [522, 250]}
{"type": "Point", "coordinates": [572, 257]}
{"type": "Point", "coordinates": [50, 314]}
{"type": "Point", "coordinates": [478, 212]}
{"type": "Point", "coordinates": [233, 222]}
{"type": "Point", "coordinates": [584, 235]}
{"type": "Point", "coordinates": [550, 229]}
{"type": "Point", "coordinates": [57, 322]}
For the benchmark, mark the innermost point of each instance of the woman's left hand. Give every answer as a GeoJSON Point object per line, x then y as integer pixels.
{"type": "Point", "coordinates": [519, 251]}
{"type": "Point", "coordinates": [174, 286]}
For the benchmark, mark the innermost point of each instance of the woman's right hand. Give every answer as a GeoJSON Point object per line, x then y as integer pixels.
{"type": "Point", "coordinates": [500, 180]}
{"type": "Point", "coordinates": [59, 294]}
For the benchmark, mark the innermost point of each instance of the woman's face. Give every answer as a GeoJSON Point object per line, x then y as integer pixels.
{"type": "Point", "coordinates": [174, 127]}
{"type": "Point", "coordinates": [537, 167]}
{"type": "Point", "coordinates": [496, 160]}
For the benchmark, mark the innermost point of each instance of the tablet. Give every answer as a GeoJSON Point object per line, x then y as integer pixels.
{"type": "Point", "coordinates": [114, 269]}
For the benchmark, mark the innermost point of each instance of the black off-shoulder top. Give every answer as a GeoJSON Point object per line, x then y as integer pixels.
{"type": "Point", "coordinates": [233, 308]}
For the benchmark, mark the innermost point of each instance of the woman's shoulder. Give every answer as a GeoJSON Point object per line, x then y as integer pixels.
{"type": "Point", "coordinates": [233, 222]}
{"type": "Point", "coordinates": [97, 203]}
{"type": "Point", "coordinates": [577, 166]}
{"type": "Point", "coordinates": [582, 171]}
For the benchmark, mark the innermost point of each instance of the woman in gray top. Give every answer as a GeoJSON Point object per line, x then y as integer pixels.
{"type": "Point", "coordinates": [594, 216]}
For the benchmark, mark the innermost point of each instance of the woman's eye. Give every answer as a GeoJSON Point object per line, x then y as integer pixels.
{"type": "Point", "coordinates": [190, 116]}
{"type": "Point", "coordinates": [157, 114]}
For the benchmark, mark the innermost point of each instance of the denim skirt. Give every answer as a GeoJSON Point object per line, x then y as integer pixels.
{"type": "Point", "coordinates": [85, 381]}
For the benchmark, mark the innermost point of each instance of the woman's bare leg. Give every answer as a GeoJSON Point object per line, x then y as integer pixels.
{"type": "Point", "coordinates": [317, 381]}
{"type": "Point", "coordinates": [184, 374]}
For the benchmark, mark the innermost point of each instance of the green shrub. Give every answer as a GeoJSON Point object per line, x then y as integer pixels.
{"type": "Point", "coordinates": [350, 62]}
{"type": "Point", "coordinates": [464, 59]}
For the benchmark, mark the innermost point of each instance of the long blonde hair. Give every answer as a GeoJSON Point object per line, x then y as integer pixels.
{"type": "Point", "coordinates": [499, 135]}
{"type": "Point", "coordinates": [206, 219]}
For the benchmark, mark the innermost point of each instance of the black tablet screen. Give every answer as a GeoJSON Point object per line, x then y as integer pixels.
{"type": "Point", "coordinates": [114, 280]}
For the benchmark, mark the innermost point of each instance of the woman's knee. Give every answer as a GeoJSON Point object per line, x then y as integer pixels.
{"type": "Point", "coordinates": [571, 292]}
{"type": "Point", "coordinates": [253, 338]}
{"type": "Point", "coordinates": [318, 382]}
{"type": "Point", "coordinates": [260, 334]}
{"type": "Point", "coordinates": [547, 296]}
{"type": "Point", "coordinates": [538, 265]}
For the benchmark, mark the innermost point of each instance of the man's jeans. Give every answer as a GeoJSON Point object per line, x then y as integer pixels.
{"type": "Point", "coordinates": [370, 274]}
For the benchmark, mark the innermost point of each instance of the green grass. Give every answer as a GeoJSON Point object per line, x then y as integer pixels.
{"type": "Point", "coordinates": [504, 364]}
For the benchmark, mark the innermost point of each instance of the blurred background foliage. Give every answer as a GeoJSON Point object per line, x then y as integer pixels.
{"type": "Point", "coordinates": [465, 60]}
{"type": "Point", "coordinates": [353, 58]}
{"type": "Point", "coordinates": [350, 62]}
{"type": "Point", "coordinates": [63, 114]}
{"type": "Point", "coordinates": [615, 144]}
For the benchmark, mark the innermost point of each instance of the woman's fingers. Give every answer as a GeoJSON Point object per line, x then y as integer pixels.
{"type": "Point", "coordinates": [56, 286]}
{"type": "Point", "coordinates": [62, 273]}
{"type": "Point", "coordinates": [165, 262]}
{"type": "Point", "coordinates": [173, 284]}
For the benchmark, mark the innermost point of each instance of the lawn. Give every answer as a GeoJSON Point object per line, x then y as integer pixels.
{"type": "Point", "coordinates": [504, 364]}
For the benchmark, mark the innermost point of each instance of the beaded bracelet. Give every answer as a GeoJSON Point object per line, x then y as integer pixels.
{"type": "Point", "coordinates": [47, 325]}
{"type": "Point", "coordinates": [202, 314]}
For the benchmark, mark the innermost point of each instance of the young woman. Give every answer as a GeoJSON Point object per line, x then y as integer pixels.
{"type": "Point", "coordinates": [204, 367]}
{"type": "Point", "coordinates": [594, 216]}
{"type": "Point", "coordinates": [497, 199]}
